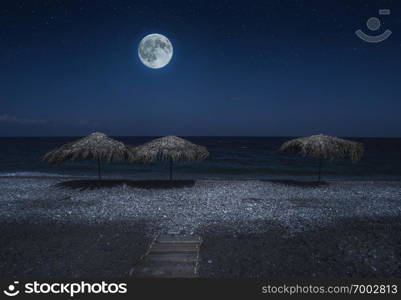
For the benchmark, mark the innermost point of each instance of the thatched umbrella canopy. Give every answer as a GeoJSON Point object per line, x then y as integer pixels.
{"type": "Point", "coordinates": [97, 146]}
{"type": "Point", "coordinates": [169, 148]}
{"type": "Point", "coordinates": [324, 147]}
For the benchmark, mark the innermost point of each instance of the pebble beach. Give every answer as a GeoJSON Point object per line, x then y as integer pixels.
{"type": "Point", "coordinates": [250, 228]}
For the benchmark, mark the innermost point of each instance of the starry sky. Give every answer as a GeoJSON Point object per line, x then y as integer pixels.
{"type": "Point", "coordinates": [240, 68]}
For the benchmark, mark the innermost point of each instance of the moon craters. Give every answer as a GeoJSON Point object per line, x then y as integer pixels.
{"type": "Point", "coordinates": [155, 51]}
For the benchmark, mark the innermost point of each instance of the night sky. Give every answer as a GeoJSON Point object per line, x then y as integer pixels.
{"type": "Point", "coordinates": [257, 68]}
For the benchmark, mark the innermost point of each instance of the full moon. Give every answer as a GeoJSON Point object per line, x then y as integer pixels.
{"type": "Point", "coordinates": [155, 51]}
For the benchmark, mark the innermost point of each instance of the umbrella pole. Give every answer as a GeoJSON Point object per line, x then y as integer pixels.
{"type": "Point", "coordinates": [98, 169]}
{"type": "Point", "coordinates": [171, 169]}
{"type": "Point", "coordinates": [320, 169]}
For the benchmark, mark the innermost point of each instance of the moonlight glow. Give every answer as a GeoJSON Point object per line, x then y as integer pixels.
{"type": "Point", "coordinates": [155, 51]}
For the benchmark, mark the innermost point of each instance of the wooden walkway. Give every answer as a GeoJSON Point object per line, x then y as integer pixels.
{"type": "Point", "coordinates": [170, 256]}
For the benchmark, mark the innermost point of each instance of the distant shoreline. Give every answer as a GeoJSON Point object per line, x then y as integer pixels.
{"type": "Point", "coordinates": [94, 178]}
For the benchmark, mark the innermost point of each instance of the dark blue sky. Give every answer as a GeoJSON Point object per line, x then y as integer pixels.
{"type": "Point", "coordinates": [268, 68]}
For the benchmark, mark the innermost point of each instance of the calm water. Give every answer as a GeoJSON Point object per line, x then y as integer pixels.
{"type": "Point", "coordinates": [230, 157]}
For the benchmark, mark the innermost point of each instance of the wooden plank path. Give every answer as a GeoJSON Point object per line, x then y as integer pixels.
{"type": "Point", "coordinates": [170, 256]}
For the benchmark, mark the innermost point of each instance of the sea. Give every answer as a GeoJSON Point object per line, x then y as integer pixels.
{"type": "Point", "coordinates": [230, 158]}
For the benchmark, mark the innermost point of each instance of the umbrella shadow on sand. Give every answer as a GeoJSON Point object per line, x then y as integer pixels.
{"type": "Point", "coordinates": [297, 183]}
{"type": "Point", "coordinates": [110, 183]}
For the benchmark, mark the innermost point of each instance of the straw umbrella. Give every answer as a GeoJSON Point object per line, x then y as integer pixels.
{"type": "Point", "coordinates": [95, 146]}
{"type": "Point", "coordinates": [169, 148]}
{"type": "Point", "coordinates": [324, 147]}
